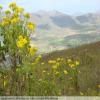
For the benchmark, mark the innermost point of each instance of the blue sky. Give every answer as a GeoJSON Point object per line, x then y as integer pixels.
{"type": "Point", "coordinates": [66, 6]}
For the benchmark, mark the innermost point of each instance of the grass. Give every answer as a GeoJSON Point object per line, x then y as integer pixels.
{"type": "Point", "coordinates": [44, 79]}
{"type": "Point", "coordinates": [89, 56]}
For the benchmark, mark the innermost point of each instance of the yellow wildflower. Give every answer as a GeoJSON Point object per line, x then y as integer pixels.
{"type": "Point", "coordinates": [5, 83]}
{"type": "Point", "coordinates": [62, 59]}
{"type": "Point", "coordinates": [51, 61]}
{"type": "Point", "coordinates": [38, 59]}
{"type": "Point", "coordinates": [5, 21]}
{"type": "Point", "coordinates": [40, 79]}
{"type": "Point", "coordinates": [58, 59]}
{"type": "Point", "coordinates": [79, 71]}
{"type": "Point", "coordinates": [42, 63]}
{"type": "Point", "coordinates": [33, 63]}
{"type": "Point", "coordinates": [57, 64]}
{"type": "Point", "coordinates": [54, 66]}
{"type": "Point", "coordinates": [69, 60]}
{"type": "Point", "coordinates": [19, 10]}
{"type": "Point", "coordinates": [25, 41]}
{"type": "Point", "coordinates": [26, 15]}
{"type": "Point", "coordinates": [40, 56]}
{"type": "Point", "coordinates": [77, 63]}
{"type": "Point", "coordinates": [65, 72]}
{"type": "Point", "coordinates": [15, 15]}
{"type": "Point", "coordinates": [32, 50]}
{"type": "Point", "coordinates": [15, 20]}
{"type": "Point", "coordinates": [31, 26]}
{"type": "Point", "coordinates": [48, 73]}
{"type": "Point", "coordinates": [43, 71]}
{"type": "Point", "coordinates": [56, 72]}
{"type": "Point", "coordinates": [20, 37]}
{"type": "Point", "coordinates": [17, 69]}
{"type": "Point", "coordinates": [81, 93]}
{"type": "Point", "coordinates": [71, 65]}
{"type": "Point", "coordinates": [70, 78]}
{"type": "Point", "coordinates": [12, 5]}
{"type": "Point", "coordinates": [21, 42]}
{"type": "Point", "coordinates": [99, 86]}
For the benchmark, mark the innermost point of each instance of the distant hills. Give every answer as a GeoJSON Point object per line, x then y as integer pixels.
{"type": "Point", "coordinates": [56, 30]}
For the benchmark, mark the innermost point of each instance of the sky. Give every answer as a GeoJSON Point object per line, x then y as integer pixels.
{"type": "Point", "coordinates": [65, 6]}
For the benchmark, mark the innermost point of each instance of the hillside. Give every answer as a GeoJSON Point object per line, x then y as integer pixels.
{"type": "Point", "coordinates": [90, 49]}
{"type": "Point", "coordinates": [89, 57]}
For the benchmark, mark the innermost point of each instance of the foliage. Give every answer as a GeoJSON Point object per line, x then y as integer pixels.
{"type": "Point", "coordinates": [16, 50]}
{"type": "Point", "coordinates": [55, 74]}
{"type": "Point", "coordinates": [16, 28]}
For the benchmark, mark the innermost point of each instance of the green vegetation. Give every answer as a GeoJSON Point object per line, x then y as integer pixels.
{"type": "Point", "coordinates": [88, 76]}
{"type": "Point", "coordinates": [52, 75]}
{"type": "Point", "coordinates": [68, 72]}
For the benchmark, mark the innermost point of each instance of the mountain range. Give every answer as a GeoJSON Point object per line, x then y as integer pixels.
{"type": "Point", "coordinates": [57, 30]}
